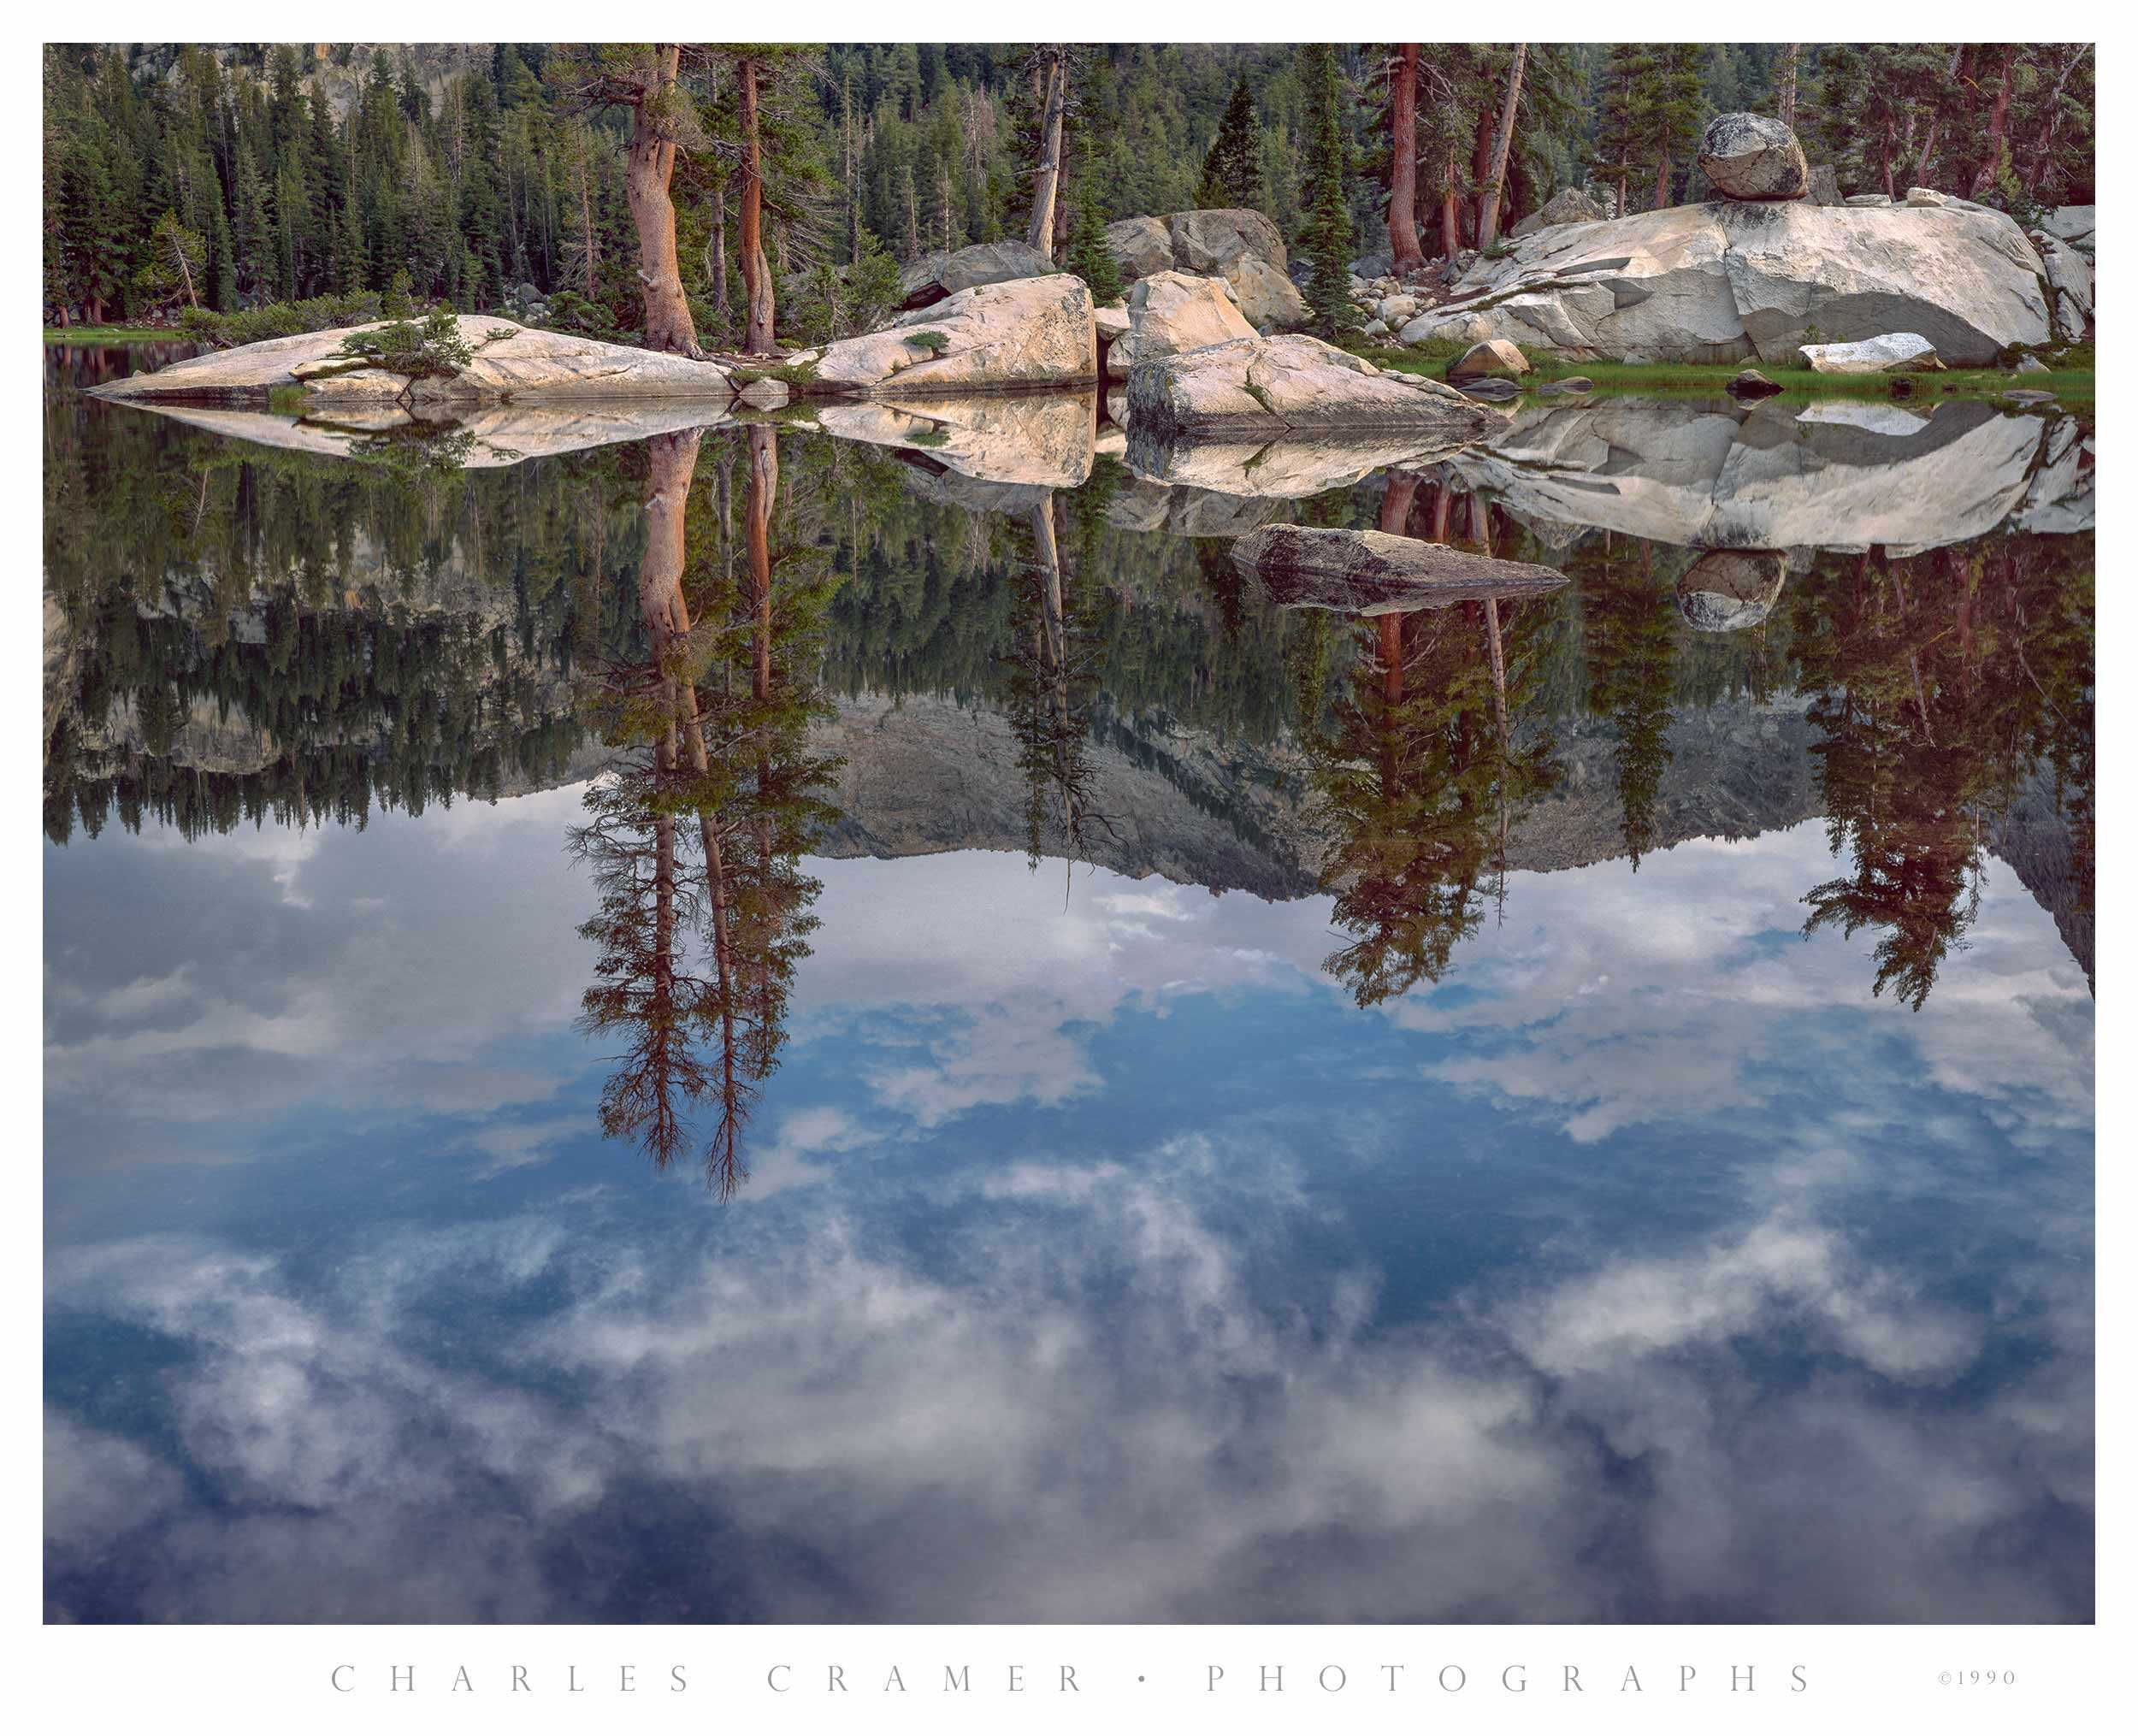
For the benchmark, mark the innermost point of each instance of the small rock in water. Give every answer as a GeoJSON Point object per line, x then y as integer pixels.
{"type": "Point", "coordinates": [2031, 365]}
{"type": "Point", "coordinates": [1369, 572]}
{"type": "Point", "coordinates": [1496, 356]}
{"type": "Point", "coordinates": [2027, 397]}
{"type": "Point", "coordinates": [1566, 389]}
{"type": "Point", "coordinates": [1751, 383]}
{"type": "Point", "coordinates": [1489, 390]}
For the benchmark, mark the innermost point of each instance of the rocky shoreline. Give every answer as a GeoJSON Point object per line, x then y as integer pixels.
{"type": "Point", "coordinates": [1204, 341]}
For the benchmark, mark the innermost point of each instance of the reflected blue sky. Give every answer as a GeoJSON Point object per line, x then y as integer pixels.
{"type": "Point", "coordinates": [1097, 1263]}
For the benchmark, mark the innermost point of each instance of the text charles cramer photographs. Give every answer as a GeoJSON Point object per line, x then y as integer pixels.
{"type": "Point", "coordinates": [1451, 1677]}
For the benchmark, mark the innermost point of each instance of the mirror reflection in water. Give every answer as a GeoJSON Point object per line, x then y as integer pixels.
{"type": "Point", "coordinates": [1579, 983]}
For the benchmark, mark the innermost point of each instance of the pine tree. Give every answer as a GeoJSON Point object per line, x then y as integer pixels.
{"type": "Point", "coordinates": [1329, 237]}
{"type": "Point", "coordinates": [1232, 169]}
{"type": "Point", "coordinates": [1089, 257]}
{"type": "Point", "coordinates": [1673, 107]}
{"type": "Point", "coordinates": [1619, 138]}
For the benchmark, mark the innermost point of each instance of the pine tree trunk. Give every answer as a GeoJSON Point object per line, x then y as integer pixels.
{"type": "Point", "coordinates": [1450, 217]}
{"type": "Point", "coordinates": [586, 221]}
{"type": "Point", "coordinates": [720, 253]}
{"type": "Point", "coordinates": [1930, 149]}
{"type": "Point", "coordinates": [1488, 224]}
{"type": "Point", "coordinates": [2000, 110]}
{"type": "Point", "coordinates": [1403, 162]}
{"type": "Point", "coordinates": [647, 168]}
{"type": "Point", "coordinates": [757, 278]}
{"type": "Point", "coordinates": [1480, 171]}
{"type": "Point", "coordinates": [1047, 181]}
{"type": "Point", "coordinates": [1663, 182]}
{"type": "Point", "coordinates": [1786, 88]}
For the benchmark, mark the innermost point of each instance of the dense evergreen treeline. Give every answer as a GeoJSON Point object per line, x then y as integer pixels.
{"type": "Point", "coordinates": [179, 177]}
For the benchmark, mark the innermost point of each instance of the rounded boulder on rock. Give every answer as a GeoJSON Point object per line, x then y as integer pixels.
{"type": "Point", "coordinates": [1496, 357]}
{"type": "Point", "coordinates": [1729, 589]}
{"type": "Point", "coordinates": [1752, 156]}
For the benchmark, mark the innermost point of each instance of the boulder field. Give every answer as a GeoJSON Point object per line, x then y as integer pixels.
{"type": "Point", "coordinates": [1241, 249]}
{"type": "Point", "coordinates": [1738, 280]}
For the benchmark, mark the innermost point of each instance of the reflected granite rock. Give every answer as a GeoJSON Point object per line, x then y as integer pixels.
{"type": "Point", "coordinates": [1031, 439]}
{"type": "Point", "coordinates": [1141, 504]}
{"type": "Point", "coordinates": [1771, 476]}
{"type": "Point", "coordinates": [236, 632]}
{"type": "Point", "coordinates": [491, 438]}
{"type": "Point", "coordinates": [1730, 590]}
{"type": "Point", "coordinates": [1264, 469]}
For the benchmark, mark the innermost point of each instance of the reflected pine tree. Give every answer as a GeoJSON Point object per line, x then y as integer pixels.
{"type": "Point", "coordinates": [695, 837]}
{"type": "Point", "coordinates": [1629, 638]}
{"type": "Point", "coordinates": [1420, 768]}
{"type": "Point", "coordinates": [1052, 689]}
{"type": "Point", "coordinates": [1941, 684]}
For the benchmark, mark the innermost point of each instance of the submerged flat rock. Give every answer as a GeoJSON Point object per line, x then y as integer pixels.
{"type": "Point", "coordinates": [510, 362]}
{"type": "Point", "coordinates": [1370, 572]}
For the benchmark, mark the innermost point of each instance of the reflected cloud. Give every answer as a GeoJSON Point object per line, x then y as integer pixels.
{"type": "Point", "coordinates": [1113, 1420]}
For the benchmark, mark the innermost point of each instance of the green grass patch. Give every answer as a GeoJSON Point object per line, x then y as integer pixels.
{"type": "Point", "coordinates": [285, 400]}
{"type": "Point", "coordinates": [2070, 376]}
{"type": "Point", "coordinates": [113, 334]}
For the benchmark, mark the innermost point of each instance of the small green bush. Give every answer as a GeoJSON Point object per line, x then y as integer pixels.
{"type": "Point", "coordinates": [934, 342]}
{"type": "Point", "coordinates": [432, 349]}
{"type": "Point", "coordinates": [281, 319]}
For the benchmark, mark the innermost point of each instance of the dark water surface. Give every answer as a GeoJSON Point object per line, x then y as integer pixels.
{"type": "Point", "coordinates": [747, 1025]}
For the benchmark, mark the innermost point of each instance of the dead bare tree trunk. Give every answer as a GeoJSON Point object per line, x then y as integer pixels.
{"type": "Point", "coordinates": [1048, 178]}
{"type": "Point", "coordinates": [1402, 161]}
{"type": "Point", "coordinates": [757, 278]}
{"type": "Point", "coordinates": [1488, 223]}
{"type": "Point", "coordinates": [648, 167]}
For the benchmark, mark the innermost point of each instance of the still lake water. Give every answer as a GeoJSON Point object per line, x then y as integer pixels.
{"type": "Point", "coordinates": [1175, 1105]}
